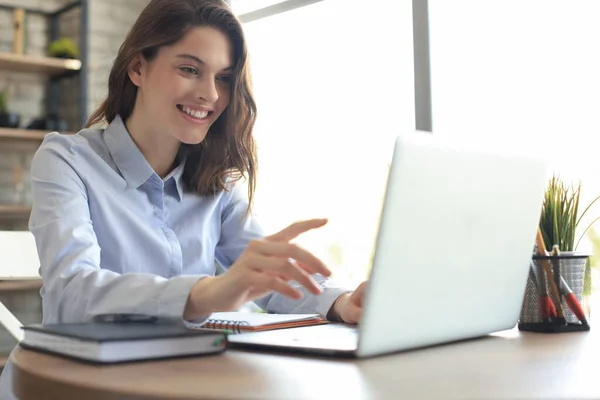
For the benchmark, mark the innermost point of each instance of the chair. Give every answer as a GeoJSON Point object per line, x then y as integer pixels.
{"type": "Point", "coordinates": [18, 261]}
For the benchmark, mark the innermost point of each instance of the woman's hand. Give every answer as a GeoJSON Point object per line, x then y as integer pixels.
{"type": "Point", "coordinates": [348, 307]}
{"type": "Point", "coordinates": [267, 265]}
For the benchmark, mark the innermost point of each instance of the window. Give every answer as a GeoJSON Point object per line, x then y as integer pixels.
{"type": "Point", "coordinates": [521, 71]}
{"type": "Point", "coordinates": [245, 6]}
{"type": "Point", "coordinates": [525, 73]}
{"type": "Point", "coordinates": [334, 84]}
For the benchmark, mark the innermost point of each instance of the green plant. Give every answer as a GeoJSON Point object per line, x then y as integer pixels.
{"type": "Point", "coordinates": [560, 219]}
{"type": "Point", "coordinates": [3, 102]}
{"type": "Point", "coordinates": [64, 48]}
{"type": "Point", "coordinates": [594, 239]}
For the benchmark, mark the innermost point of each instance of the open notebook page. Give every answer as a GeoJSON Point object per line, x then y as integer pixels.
{"type": "Point", "coordinates": [261, 319]}
{"type": "Point", "coordinates": [244, 321]}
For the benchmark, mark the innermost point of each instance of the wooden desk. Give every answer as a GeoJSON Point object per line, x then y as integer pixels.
{"type": "Point", "coordinates": [504, 365]}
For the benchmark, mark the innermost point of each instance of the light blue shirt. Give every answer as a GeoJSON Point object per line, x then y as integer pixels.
{"type": "Point", "coordinates": [114, 239]}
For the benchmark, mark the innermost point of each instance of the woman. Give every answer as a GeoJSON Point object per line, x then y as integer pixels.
{"type": "Point", "coordinates": [129, 219]}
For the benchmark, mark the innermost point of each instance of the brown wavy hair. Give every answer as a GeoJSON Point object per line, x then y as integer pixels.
{"type": "Point", "coordinates": [228, 153]}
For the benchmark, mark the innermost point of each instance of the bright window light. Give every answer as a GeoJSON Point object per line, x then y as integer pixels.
{"type": "Point", "coordinates": [334, 86]}
{"type": "Point", "coordinates": [523, 73]}
{"type": "Point", "coordinates": [244, 6]}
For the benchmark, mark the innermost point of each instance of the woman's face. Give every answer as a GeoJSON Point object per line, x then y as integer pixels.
{"type": "Point", "coordinates": [186, 87]}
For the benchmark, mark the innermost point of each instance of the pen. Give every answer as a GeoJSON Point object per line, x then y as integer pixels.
{"type": "Point", "coordinates": [541, 247]}
{"type": "Point", "coordinates": [546, 306]}
{"type": "Point", "coordinates": [545, 297]}
{"type": "Point", "coordinates": [570, 298]}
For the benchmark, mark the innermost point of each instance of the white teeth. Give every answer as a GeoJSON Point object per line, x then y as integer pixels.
{"type": "Point", "coordinates": [195, 113]}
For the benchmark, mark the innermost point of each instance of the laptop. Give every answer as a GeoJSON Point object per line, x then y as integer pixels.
{"type": "Point", "coordinates": [454, 241]}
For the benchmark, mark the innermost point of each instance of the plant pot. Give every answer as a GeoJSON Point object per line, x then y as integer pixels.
{"type": "Point", "coordinates": [10, 120]}
{"type": "Point", "coordinates": [570, 266]}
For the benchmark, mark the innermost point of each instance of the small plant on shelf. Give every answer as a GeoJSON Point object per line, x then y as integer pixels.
{"type": "Point", "coordinates": [7, 119]}
{"type": "Point", "coordinates": [3, 101]}
{"type": "Point", "coordinates": [63, 48]}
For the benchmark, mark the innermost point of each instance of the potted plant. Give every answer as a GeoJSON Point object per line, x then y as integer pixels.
{"type": "Point", "coordinates": [63, 48]}
{"type": "Point", "coordinates": [559, 222]}
{"type": "Point", "coordinates": [7, 119]}
{"type": "Point", "coordinates": [560, 219]}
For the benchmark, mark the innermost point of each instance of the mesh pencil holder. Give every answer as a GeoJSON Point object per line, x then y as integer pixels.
{"type": "Point", "coordinates": [569, 269]}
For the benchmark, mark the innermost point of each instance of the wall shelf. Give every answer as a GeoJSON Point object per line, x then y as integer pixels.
{"type": "Point", "coordinates": [16, 211]}
{"type": "Point", "coordinates": [9, 133]}
{"type": "Point", "coordinates": [26, 134]}
{"type": "Point", "coordinates": [46, 65]}
{"type": "Point", "coordinates": [20, 285]}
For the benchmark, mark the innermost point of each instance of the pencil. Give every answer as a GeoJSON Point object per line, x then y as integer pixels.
{"type": "Point", "coordinates": [560, 312]}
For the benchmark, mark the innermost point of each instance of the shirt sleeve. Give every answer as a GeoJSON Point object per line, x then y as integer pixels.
{"type": "Point", "coordinates": [237, 230]}
{"type": "Point", "coordinates": [76, 288]}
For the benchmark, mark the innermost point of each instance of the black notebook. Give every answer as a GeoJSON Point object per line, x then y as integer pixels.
{"type": "Point", "coordinates": [112, 342]}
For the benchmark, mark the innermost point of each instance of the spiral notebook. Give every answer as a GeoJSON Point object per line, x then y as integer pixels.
{"type": "Point", "coordinates": [237, 322]}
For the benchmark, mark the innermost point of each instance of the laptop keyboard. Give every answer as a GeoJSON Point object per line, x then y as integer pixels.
{"type": "Point", "coordinates": [334, 336]}
{"type": "Point", "coordinates": [333, 331]}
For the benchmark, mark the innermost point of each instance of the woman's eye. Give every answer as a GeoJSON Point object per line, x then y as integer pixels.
{"type": "Point", "coordinates": [224, 78]}
{"type": "Point", "coordinates": [190, 70]}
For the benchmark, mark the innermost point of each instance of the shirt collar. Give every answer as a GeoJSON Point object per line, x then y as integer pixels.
{"type": "Point", "coordinates": [177, 176]}
{"type": "Point", "coordinates": [128, 158]}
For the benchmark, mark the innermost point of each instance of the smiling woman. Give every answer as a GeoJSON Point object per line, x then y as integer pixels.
{"type": "Point", "coordinates": [182, 82]}
{"type": "Point", "coordinates": [195, 89]}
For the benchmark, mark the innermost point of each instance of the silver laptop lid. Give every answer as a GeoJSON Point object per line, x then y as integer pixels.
{"type": "Point", "coordinates": [455, 236]}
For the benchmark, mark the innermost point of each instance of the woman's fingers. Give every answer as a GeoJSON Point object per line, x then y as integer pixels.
{"type": "Point", "coordinates": [296, 229]}
{"type": "Point", "coordinates": [357, 297]}
{"type": "Point", "coordinates": [273, 283]}
{"type": "Point", "coordinates": [272, 262]}
{"type": "Point", "coordinates": [284, 269]}
{"type": "Point", "coordinates": [309, 262]}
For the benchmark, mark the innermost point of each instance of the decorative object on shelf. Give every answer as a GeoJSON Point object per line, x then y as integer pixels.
{"type": "Point", "coordinates": [19, 30]}
{"type": "Point", "coordinates": [7, 119]}
{"type": "Point", "coordinates": [49, 124]}
{"type": "Point", "coordinates": [63, 48]}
